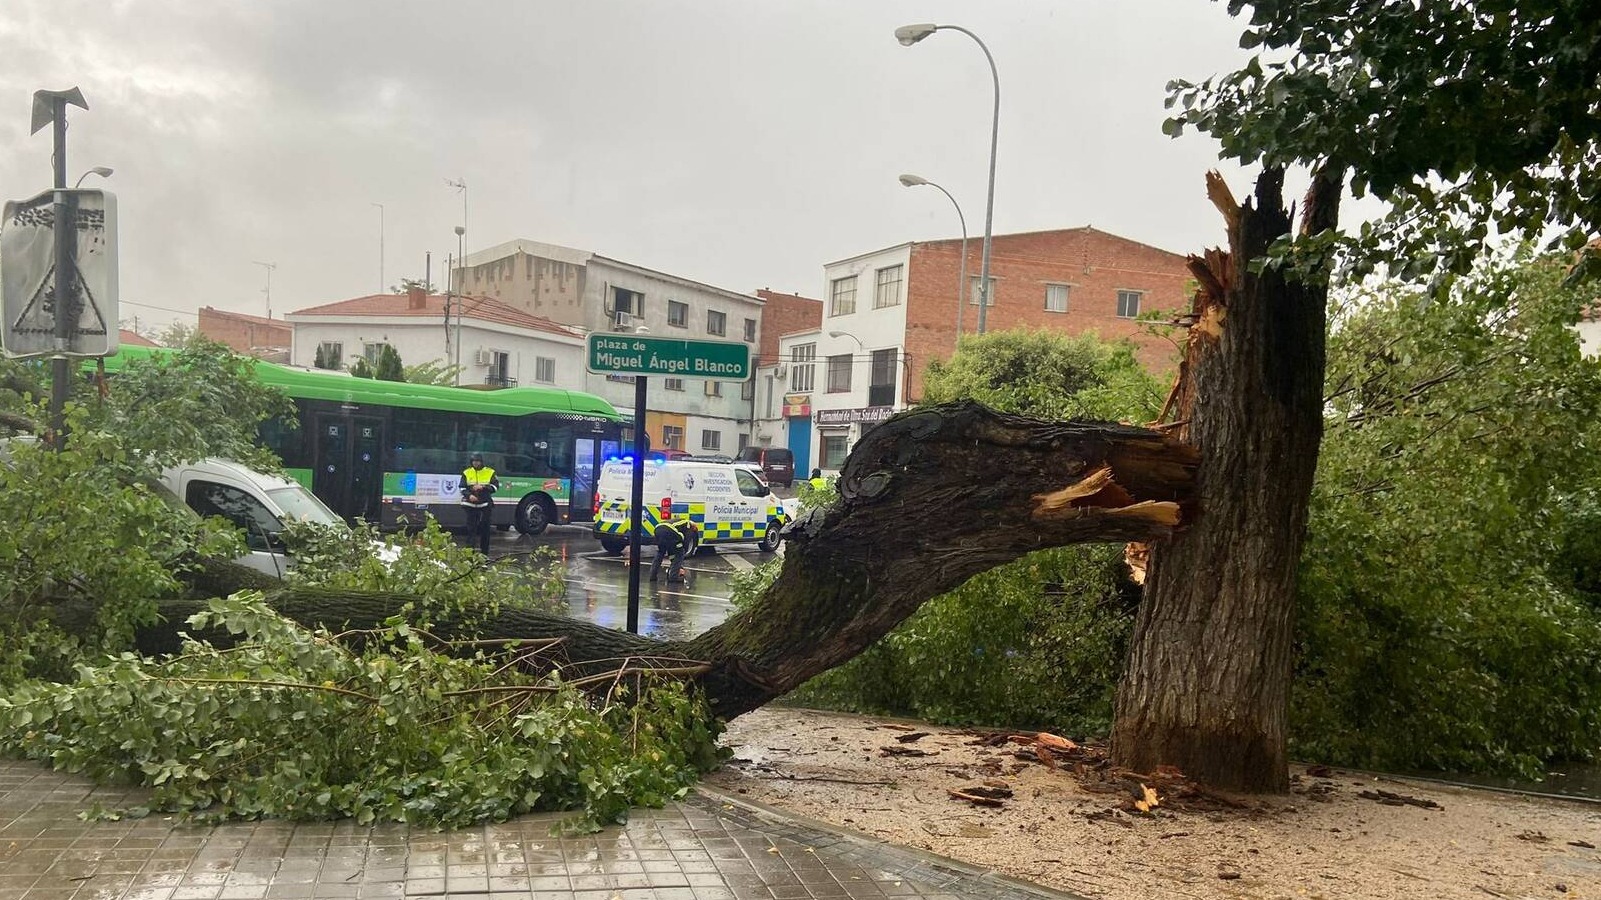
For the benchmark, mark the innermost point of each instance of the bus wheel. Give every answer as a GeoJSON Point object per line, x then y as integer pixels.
{"type": "Point", "coordinates": [534, 514]}
{"type": "Point", "coordinates": [613, 545]}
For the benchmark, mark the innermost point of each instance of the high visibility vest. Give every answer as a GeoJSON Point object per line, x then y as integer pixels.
{"type": "Point", "coordinates": [476, 478]}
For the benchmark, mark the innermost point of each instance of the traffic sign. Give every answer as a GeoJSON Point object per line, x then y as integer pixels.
{"type": "Point", "coordinates": [628, 354]}
{"type": "Point", "coordinates": [28, 275]}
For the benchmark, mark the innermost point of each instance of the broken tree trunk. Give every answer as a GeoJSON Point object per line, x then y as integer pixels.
{"type": "Point", "coordinates": [928, 499]}
{"type": "Point", "coordinates": [1207, 684]}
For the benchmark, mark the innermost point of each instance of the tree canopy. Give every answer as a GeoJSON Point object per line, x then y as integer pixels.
{"type": "Point", "coordinates": [1470, 119]}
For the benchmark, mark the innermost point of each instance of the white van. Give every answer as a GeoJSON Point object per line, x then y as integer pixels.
{"type": "Point", "coordinates": [728, 503]}
{"type": "Point", "coordinates": [260, 505]}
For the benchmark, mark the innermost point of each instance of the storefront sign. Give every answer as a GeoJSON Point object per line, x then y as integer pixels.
{"type": "Point", "coordinates": [797, 405]}
{"type": "Point", "coordinates": [865, 415]}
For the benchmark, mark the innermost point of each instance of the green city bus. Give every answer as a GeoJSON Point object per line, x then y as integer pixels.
{"type": "Point", "coordinates": [392, 452]}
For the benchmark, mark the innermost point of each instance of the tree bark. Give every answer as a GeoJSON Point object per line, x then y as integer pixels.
{"type": "Point", "coordinates": [1207, 683]}
{"type": "Point", "coordinates": [928, 499]}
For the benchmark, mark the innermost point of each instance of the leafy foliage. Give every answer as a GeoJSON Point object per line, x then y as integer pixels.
{"type": "Point", "coordinates": [298, 724]}
{"type": "Point", "coordinates": [86, 526]}
{"type": "Point", "coordinates": [1440, 625]}
{"type": "Point", "coordinates": [433, 372]}
{"type": "Point", "coordinates": [389, 367]}
{"type": "Point", "coordinates": [1039, 641]}
{"type": "Point", "coordinates": [428, 564]}
{"type": "Point", "coordinates": [1489, 129]}
{"type": "Point", "coordinates": [1047, 375]}
{"type": "Point", "coordinates": [202, 400]}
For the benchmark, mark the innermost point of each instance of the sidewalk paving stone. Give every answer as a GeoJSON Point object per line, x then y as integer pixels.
{"type": "Point", "coordinates": [706, 847]}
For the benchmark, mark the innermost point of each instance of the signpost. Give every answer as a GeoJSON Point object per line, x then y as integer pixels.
{"type": "Point", "coordinates": [638, 355]}
{"type": "Point", "coordinates": [30, 282]}
{"type": "Point", "coordinates": [59, 255]}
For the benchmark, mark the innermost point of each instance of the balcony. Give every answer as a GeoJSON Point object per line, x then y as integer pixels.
{"type": "Point", "coordinates": [500, 381]}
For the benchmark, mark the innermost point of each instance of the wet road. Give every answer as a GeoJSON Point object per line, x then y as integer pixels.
{"type": "Point", "coordinates": [597, 583]}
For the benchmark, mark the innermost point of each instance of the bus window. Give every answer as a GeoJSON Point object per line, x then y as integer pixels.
{"type": "Point", "coordinates": [425, 441]}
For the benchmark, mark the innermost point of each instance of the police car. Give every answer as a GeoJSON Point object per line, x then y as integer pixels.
{"type": "Point", "coordinates": [728, 503]}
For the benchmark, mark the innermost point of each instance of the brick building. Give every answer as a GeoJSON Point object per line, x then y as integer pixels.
{"type": "Point", "coordinates": [782, 315]}
{"type": "Point", "coordinates": [254, 335]}
{"type": "Point", "coordinates": [889, 312]}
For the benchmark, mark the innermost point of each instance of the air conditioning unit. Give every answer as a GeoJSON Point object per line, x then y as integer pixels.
{"type": "Point", "coordinates": [781, 371]}
{"type": "Point", "coordinates": [484, 357]}
{"type": "Point", "coordinates": [620, 319]}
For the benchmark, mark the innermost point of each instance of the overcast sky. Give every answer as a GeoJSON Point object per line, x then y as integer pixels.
{"type": "Point", "coordinates": [737, 142]}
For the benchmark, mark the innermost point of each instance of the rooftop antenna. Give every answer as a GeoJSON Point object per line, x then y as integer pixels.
{"type": "Point", "coordinates": [269, 267]}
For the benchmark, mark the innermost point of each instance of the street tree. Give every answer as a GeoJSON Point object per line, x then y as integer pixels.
{"type": "Point", "coordinates": [1470, 120]}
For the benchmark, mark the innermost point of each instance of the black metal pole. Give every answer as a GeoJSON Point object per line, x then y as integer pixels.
{"type": "Point", "coordinates": [66, 309]}
{"type": "Point", "coordinates": [636, 506]}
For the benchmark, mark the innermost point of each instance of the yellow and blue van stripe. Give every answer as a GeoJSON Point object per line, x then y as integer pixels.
{"type": "Point", "coordinates": [716, 532]}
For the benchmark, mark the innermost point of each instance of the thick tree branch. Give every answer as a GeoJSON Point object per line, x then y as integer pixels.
{"type": "Point", "coordinates": [928, 499]}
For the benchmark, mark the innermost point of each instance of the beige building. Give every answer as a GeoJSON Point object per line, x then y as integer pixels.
{"type": "Point", "coordinates": [590, 292]}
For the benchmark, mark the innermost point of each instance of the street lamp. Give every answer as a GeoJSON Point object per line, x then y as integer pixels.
{"type": "Point", "coordinates": [961, 279]}
{"type": "Point", "coordinates": [380, 246]}
{"type": "Point", "coordinates": [461, 231]}
{"type": "Point", "coordinates": [911, 34]}
{"type": "Point", "coordinates": [102, 171]}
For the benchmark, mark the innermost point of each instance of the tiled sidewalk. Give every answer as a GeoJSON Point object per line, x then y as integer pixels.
{"type": "Point", "coordinates": [701, 849]}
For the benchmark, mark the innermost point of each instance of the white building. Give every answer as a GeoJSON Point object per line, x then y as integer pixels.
{"type": "Point", "coordinates": [494, 343]}
{"type": "Point", "coordinates": [590, 292]}
{"type": "Point", "coordinates": [855, 368]}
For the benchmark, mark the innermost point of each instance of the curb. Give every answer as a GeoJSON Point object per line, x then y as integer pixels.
{"type": "Point", "coordinates": [914, 864]}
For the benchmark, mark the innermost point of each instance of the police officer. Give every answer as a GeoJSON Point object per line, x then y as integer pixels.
{"type": "Point", "coordinates": [817, 481]}
{"type": "Point", "coordinates": [673, 536]}
{"type": "Point", "coordinates": [478, 487]}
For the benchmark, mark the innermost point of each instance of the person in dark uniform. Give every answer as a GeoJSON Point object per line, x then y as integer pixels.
{"type": "Point", "coordinates": [675, 537]}
{"type": "Point", "coordinates": [478, 487]}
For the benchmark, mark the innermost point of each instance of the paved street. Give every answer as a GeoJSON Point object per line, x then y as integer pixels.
{"type": "Point", "coordinates": [705, 848]}
{"type": "Point", "coordinates": [597, 583]}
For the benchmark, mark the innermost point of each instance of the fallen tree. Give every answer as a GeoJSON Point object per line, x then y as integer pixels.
{"type": "Point", "coordinates": [927, 500]}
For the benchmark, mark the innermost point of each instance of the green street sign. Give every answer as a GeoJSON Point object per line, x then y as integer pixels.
{"type": "Point", "coordinates": [626, 354]}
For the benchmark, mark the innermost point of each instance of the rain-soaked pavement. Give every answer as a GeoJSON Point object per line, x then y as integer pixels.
{"type": "Point", "coordinates": [704, 847]}
{"type": "Point", "coordinates": [597, 582]}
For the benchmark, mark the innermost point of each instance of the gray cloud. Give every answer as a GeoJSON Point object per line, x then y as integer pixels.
{"type": "Point", "coordinates": [740, 143]}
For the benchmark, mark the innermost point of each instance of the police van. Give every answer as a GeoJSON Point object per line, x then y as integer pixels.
{"type": "Point", "coordinates": [729, 504]}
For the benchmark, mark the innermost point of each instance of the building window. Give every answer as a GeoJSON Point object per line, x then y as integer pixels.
{"type": "Point", "coordinates": [714, 388]}
{"type": "Point", "coordinates": [881, 389]}
{"type": "Point", "coordinates": [972, 291]}
{"type": "Point", "coordinates": [673, 437]}
{"type": "Point", "coordinates": [1128, 304]}
{"type": "Point", "coordinates": [750, 329]}
{"type": "Point", "coordinates": [677, 314]}
{"type": "Point", "coordinates": [711, 440]}
{"type": "Point", "coordinates": [839, 374]}
{"type": "Point", "coordinates": [887, 287]}
{"type": "Point", "coordinates": [544, 370]}
{"type": "Point", "coordinates": [803, 371]}
{"type": "Point", "coordinates": [499, 373]}
{"type": "Point", "coordinates": [835, 448]}
{"type": "Point", "coordinates": [627, 301]}
{"type": "Point", "coordinates": [371, 352]}
{"type": "Point", "coordinates": [330, 355]}
{"type": "Point", "coordinates": [1056, 297]}
{"type": "Point", "coordinates": [744, 440]}
{"type": "Point", "coordinates": [716, 322]}
{"type": "Point", "coordinates": [842, 296]}
{"type": "Point", "coordinates": [674, 384]}
{"type": "Point", "coordinates": [747, 389]}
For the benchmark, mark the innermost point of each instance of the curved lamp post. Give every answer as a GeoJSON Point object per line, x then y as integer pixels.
{"type": "Point", "coordinates": [911, 34]}
{"type": "Point", "coordinates": [961, 279]}
{"type": "Point", "coordinates": [102, 171]}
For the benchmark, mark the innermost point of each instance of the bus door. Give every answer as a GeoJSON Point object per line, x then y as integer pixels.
{"type": "Point", "coordinates": [586, 474]}
{"type": "Point", "coordinates": [348, 471]}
